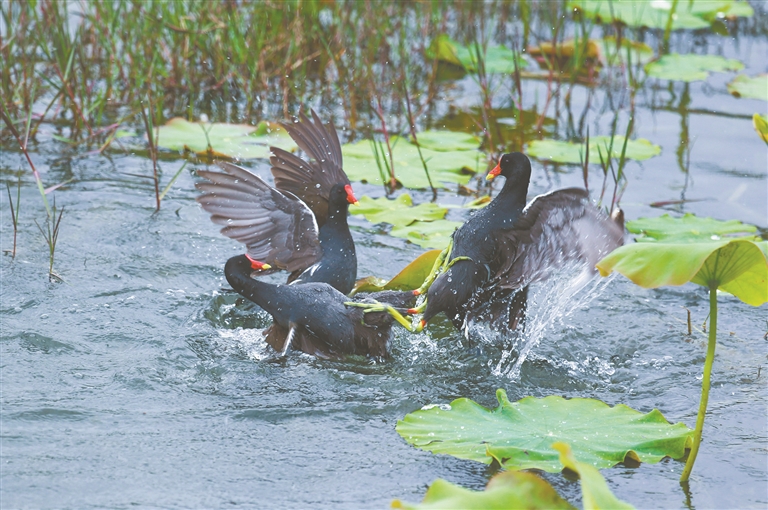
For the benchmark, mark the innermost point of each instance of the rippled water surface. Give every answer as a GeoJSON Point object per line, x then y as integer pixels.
{"type": "Point", "coordinates": [140, 381]}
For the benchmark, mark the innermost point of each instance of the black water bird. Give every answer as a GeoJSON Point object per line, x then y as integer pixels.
{"type": "Point", "coordinates": [313, 317]}
{"type": "Point", "coordinates": [301, 224]}
{"type": "Point", "coordinates": [507, 245]}
{"type": "Point", "coordinates": [279, 229]}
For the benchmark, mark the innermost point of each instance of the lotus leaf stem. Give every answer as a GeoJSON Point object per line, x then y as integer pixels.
{"type": "Point", "coordinates": [705, 383]}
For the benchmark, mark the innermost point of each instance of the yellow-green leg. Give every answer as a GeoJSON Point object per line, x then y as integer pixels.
{"type": "Point", "coordinates": [380, 307]}
{"type": "Point", "coordinates": [439, 267]}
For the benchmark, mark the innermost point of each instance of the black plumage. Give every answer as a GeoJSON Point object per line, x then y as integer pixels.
{"type": "Point", "coordinates": [313, 318]}
{"type": "Point", "coordinates": [300, 225]}
{"type": "Point", "coordinates": [510, 244]}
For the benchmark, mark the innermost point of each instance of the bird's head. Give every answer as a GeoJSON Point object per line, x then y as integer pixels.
{"type": "Point", "coordinates": [515, 167]}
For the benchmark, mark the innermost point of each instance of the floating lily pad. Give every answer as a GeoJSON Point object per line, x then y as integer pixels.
{"type": "Point", "coordinates": [448, 141]}
{"type": "Point", "coordinates": [639, 53]}
{"type": "Point", "coordinates": [569, 152]}
{"type": "Point", "coordinates": [688, 228]}
{"type": "Point", "coordinates": [411, 277]}
{"type": "Point", "coordinates": [510, 489]}
{"type": "Point", "coordinates": [497, 59]}
{"type": "Point", "coordinates": [738, 9]}
{"type": "Point", "coordinates": [755, 87]}
{"type": "Point", "coordinates": [638, 14]}
{"type": "Point", "coordinates": [690, 67]}
{"type": "Point", "coordinates": [432, 234]}
{"type": "Point", "coordinates": [738, 266]}
{"type": "Point", "coordinates": [444, 167]}
{"type": "Point", "coordinates": [519, 435]}
{"type": "Point", "coordinates": [688, 15]}
{"type": "Point", "coordinates": [761, 126]}
{"type": "Point", "coordinates": [399, 211]}
{"type": "Point", "coordinates": [226, 140]}
{"type": "Point", "coordinates": [595, 492]}
{"type": "Point", "coordinates": [563, 55]}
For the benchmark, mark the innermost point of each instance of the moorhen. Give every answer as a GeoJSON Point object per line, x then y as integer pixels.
{"type": "Point", "coordinates": [279, 229]}
{"type": "Point", "coordinates": [504, 247]}
{"type": "Point", "coordinates": [315, 317]}
{"type": "Point", "coordinates": [311, 234]}
{"type": "Point", "coordinates": [301, 227]}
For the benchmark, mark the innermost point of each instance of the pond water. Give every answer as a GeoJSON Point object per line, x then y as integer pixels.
{"type": "Point", "coordinates": [140, 381]}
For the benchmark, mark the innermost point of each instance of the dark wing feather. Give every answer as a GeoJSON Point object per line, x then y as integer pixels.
{"type": "Point", "coordinates": [310, 181]}
{"type": "Point", "coordinates": [277, 228]}
{"type": "Point", "coordinates": [275, 335]}
{"type": "Point", "coordinates": [553, 229]}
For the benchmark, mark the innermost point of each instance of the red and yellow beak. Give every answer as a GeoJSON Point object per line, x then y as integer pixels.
{"type": "Point", "coordinates": [256, 265]}
{"type": "Point", "coordinates": [350, 196]}
{"type": "Point", "coordinates": [494, 173]}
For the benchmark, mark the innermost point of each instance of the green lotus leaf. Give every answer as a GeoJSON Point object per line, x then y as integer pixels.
{"type": "Point", "coordinates": [431, 234]}
{"type": "Point", "coordinates": [411, 277]}
{"type": "Point", "coordinates": [688, 14]}
{"type": "Point", "coordinates": [737, 266]}
{"type": "Point", "coordinates": [520, 435]}
{"type": "Point", "coordinates": [640, 53]}
{"type": "Point", "coordinates": [753, 87]}
{"type": "Point", "coordinates": [240, 141]}
{"type": "Point", "coordinates": [399, 211]}
{"type": "Point", "coordinates": [690, 67]}
{"type": "Point", "coordinates": [739, 10]}
{"type": "Point", "coordinates": [569, 152]}
{"type": "Point", "coordinates": [639, 14]}
{"type": "Point", "coordinates": [497, 59]}
{"type": "Point", "coordinates": [510, 489]}
{"type": "Point", "coordinates": [448, 141]}
{"type": "Point", "coordinates": [687, 228]}
{"type": "Point", "coordinates": [594, 490]}
{"type": "Point", "coordinates": [761, 126]}
{"type": "Point", "coordinates": [566, 54]}
{"type": "Point", "coordinates": [444, 167]}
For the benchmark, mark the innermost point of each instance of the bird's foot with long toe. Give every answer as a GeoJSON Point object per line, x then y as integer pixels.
{"type": "Point", "coordinates": [437, 268]}
{"type": "Point", "coordinates": [381, 307]}
{"type": "Point", "coordinates": [442, 263]}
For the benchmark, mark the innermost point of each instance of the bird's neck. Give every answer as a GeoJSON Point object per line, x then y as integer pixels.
{"type": "Point", "coordinates": [238, 272]}
{"type": "Point", "coordinates": [336, 226]}
{"type": "Point", "coordinates": [511, 199]}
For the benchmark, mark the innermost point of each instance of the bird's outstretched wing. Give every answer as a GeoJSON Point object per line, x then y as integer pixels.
{"type": "Point", "coordinates": [276, 227]}
{"type": "Point", "coordinates": [310, 181]}
{"type": "Point", "coordinates": [553, 229]}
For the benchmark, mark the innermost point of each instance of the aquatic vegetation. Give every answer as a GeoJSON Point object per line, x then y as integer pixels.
{"type": "Point", "coordinates": [690, 67]}
{"type": "Point", "coordinates": [493, 58]}
{"type": "Point", "coordinates": [519, 435]}
{"type": "Point", "coordinates": [223, 140]}
{"type": "Point", "coordinates": [14, 212]}
{"type": "Point", "coordinates": [444, 167]}
{"type": "Point", "coordinates": [573, 153]}
{"type": "Point", "coordinates": [752, 87]}
{"type": "Point", "coordinates": [687, 15]}
{"type": "Point", "coordinates": [51, 236]}
{"type": "Point", "coordinates": [510, 489]}
{"type": "Point", "coordinates": [399, 211]}
{"type": "Point", "coordinates": [594, 491]}
{"type": "Point", "coordinates": [409, 278]}
{"type": "Point", "coordinates": [522, 489]}
{"type": "Point", "coordinates": [738, 266]}
{"type": "Point", "coordinates": [422, 224]}
{"type": "Point", "coordinates": [688, 228]}
{"type": "Point", "coordinates": [761, 126]}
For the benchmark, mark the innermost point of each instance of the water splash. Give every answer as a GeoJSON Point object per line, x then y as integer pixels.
{"type": "Point", "coordinates": [549, 303]}
{"type": "Point", "coordinates": [249, 342]}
